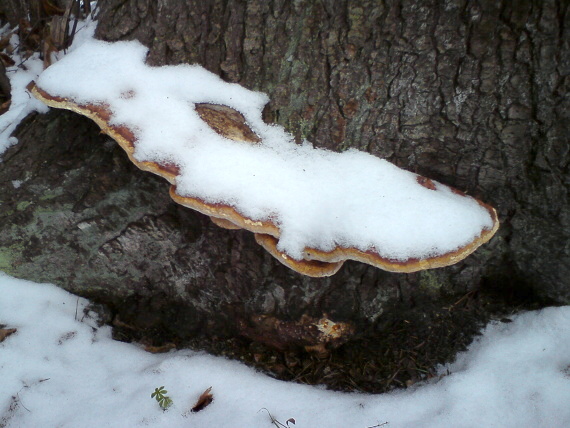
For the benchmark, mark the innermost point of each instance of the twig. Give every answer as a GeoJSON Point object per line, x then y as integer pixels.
{"type": "Point", "coordinates": [275, 421]}
{"type": "Point", "coordinates": [19, 400]}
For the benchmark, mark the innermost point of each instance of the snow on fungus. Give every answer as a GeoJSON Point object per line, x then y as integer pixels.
{"type": "Point", "coordinates": [312, 209]}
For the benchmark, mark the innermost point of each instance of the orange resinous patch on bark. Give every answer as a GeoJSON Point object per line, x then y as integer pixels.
{"type": "Point", "coordinates": [207, 138]}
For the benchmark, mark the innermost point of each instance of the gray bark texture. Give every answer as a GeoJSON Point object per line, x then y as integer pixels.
{"type": "Point", "coordinates": [471, 93]}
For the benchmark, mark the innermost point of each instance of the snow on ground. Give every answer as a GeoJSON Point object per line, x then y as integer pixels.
{"type": "Point", "coordinates": [61, 370]}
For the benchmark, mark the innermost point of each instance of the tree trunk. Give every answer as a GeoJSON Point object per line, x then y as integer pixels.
{"type": "Point", "coordinates": [473, 94]}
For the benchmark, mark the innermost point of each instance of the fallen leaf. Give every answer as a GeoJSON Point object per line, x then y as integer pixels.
{"type": "Point", "coordinates": [205, 399]}
{"type": "Point", "coordinates": [6, 60]}
{"type": "Point", "coordinates": [4, 107]}
{"type": "Point", "coordinates": [227, 122]}
{"type": "Point", "coordinates": [5, 332]}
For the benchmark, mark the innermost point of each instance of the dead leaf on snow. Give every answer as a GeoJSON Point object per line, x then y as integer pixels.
{"type": "Point", "coordinates": [4, 107]}
{"type": "Point", "coordinates": [205, 399]}
{"type": "Point", "coordinates": [6, 60]}
{"type": "Point", "coordinates": [5, 332]}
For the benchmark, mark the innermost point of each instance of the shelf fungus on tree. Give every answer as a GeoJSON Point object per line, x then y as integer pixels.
{"type": "Point", "coordinates": [312, 209]}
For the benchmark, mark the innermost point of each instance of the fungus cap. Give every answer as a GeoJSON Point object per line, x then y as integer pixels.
{"type": "Point", "coordinates": [310, 208]}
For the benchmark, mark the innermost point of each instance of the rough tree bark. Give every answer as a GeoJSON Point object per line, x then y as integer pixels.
{"type": "Point", "coordinates": [471, 93]}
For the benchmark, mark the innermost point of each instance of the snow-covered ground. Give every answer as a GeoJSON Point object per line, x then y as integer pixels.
{"type": "Point", "coordinates": [61, 370]}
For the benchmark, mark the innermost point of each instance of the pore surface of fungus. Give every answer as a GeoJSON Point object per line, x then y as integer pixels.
{"type": "Point", "coordinates": [310, 208]}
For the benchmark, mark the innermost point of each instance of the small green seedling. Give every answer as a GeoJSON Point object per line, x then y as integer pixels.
{"type": "Point", "coordinates": [162, 399]}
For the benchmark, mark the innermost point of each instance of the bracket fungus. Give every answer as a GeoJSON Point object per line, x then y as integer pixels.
{"type": "Point", "coordinates": [312, 209]}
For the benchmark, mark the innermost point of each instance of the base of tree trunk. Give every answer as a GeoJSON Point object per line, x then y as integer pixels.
{"type": "Point", "coordinates": [78, 214]}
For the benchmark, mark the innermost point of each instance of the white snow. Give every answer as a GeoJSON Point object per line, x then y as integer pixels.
{"type": "Point", "coordinates": [318, 198]}
{"type": "Point", "coordinates": [22, 102]}
{"type": "Point", "coordinates": [61, 369]}
{"type": "Point", "coordinates": [22, 73]}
